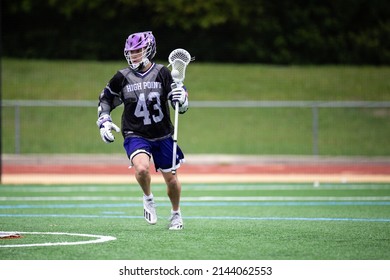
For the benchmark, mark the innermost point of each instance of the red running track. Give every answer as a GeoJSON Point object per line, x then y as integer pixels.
{"type": "Point", "coordinates": [374, 169]}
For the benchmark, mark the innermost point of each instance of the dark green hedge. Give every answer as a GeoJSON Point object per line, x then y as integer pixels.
{"type": "Point", "coordinates": [262, 31]}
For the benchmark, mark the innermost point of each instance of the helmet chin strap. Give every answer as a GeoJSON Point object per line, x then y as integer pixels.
{"type": "Point", "coordinates": [146, 63]}
{"type": "Point", "coordinates": [142, 65]}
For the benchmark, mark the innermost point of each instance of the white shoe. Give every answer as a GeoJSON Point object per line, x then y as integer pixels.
{"type": "Point", "coordinates": [175, 222]}
{"type": "Point", "coordinates": [150, 214]}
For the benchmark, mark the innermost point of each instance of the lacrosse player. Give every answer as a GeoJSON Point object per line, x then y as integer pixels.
{"type": "Point", "coordinates": [145, 89]}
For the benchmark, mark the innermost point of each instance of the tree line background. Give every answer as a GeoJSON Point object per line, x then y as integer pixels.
{"type": "Point", "coordinates": [250, 31]}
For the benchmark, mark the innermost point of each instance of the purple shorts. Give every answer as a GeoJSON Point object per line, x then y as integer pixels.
{"type": "Point", "coordinates": [160, 150]}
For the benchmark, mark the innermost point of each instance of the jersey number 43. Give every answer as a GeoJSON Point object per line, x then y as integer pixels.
{"type": "Point", "coordinates": [153, 104]}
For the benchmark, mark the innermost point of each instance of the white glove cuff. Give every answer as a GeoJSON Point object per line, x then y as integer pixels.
{"type": "Point", "coordinates": [102, 119]}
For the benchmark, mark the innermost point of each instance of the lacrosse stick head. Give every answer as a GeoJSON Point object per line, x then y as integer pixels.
{"type": "Point", "coordinates": [179, 59]}
{"type": "Point", "coordinates": [140, 48]}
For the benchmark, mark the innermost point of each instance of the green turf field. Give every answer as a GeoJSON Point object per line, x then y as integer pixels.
{"type": "Point", "coordinates": [222, 221]}
{"type": "Point", "coordinates": [84, 80]}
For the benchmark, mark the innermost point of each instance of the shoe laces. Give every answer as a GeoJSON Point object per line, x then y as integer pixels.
{"type": "Point", "coordinates": [175, 218]}
{"type": "Point", "coordinates": [150, 203]}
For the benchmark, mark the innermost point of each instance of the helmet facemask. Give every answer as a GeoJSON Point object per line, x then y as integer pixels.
{"type": "Point", "coordinates": [139, 50]}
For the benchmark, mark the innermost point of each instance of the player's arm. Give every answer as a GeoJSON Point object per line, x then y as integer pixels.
{"type": "Point", "coordinates": [108, 100]}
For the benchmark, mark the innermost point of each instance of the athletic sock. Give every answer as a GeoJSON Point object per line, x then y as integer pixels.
{"type": "Point", "coordinates": [175, 212]}
{"type": "Point", "coordinates": [148, 197]}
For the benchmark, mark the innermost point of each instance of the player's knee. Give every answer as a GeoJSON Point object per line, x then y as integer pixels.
{"type": "Point", "coordinates": [142, 170]}
{"type": "Point", "coordinates": [172, 182]}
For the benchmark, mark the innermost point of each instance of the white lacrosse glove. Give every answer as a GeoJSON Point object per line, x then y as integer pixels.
{"type": "Point", "coordinates": [179, 94]}
{"type": "Point", "coordinates": [105, 125]}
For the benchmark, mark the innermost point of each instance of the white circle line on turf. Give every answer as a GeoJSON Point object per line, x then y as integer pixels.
{"type": "Point", "coordinates": [99, 239]}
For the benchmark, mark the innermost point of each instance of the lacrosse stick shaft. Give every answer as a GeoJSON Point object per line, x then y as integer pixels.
{"type": "Point", "coordinates": [175, 138]}
{"type": "Point", "coordinates": [179, 59]}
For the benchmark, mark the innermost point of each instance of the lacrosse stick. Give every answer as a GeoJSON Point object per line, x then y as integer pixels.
{"type": "Point", "coordinates": [178, 59]}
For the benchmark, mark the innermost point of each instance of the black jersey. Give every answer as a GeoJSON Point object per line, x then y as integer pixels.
{"type": "Point", "coordinates": [145, 98]}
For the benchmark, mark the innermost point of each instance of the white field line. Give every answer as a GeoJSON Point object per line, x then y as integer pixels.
{"type": "Point", "coordinates": [71, 189]}
{"type": "Point", "coordinates": [201, 198]}
{"type": "Point", "coordinates": [97, 239]}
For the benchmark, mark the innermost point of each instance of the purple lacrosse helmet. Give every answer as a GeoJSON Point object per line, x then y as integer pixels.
{"type": "Point", "coordinates": [143, 41]}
